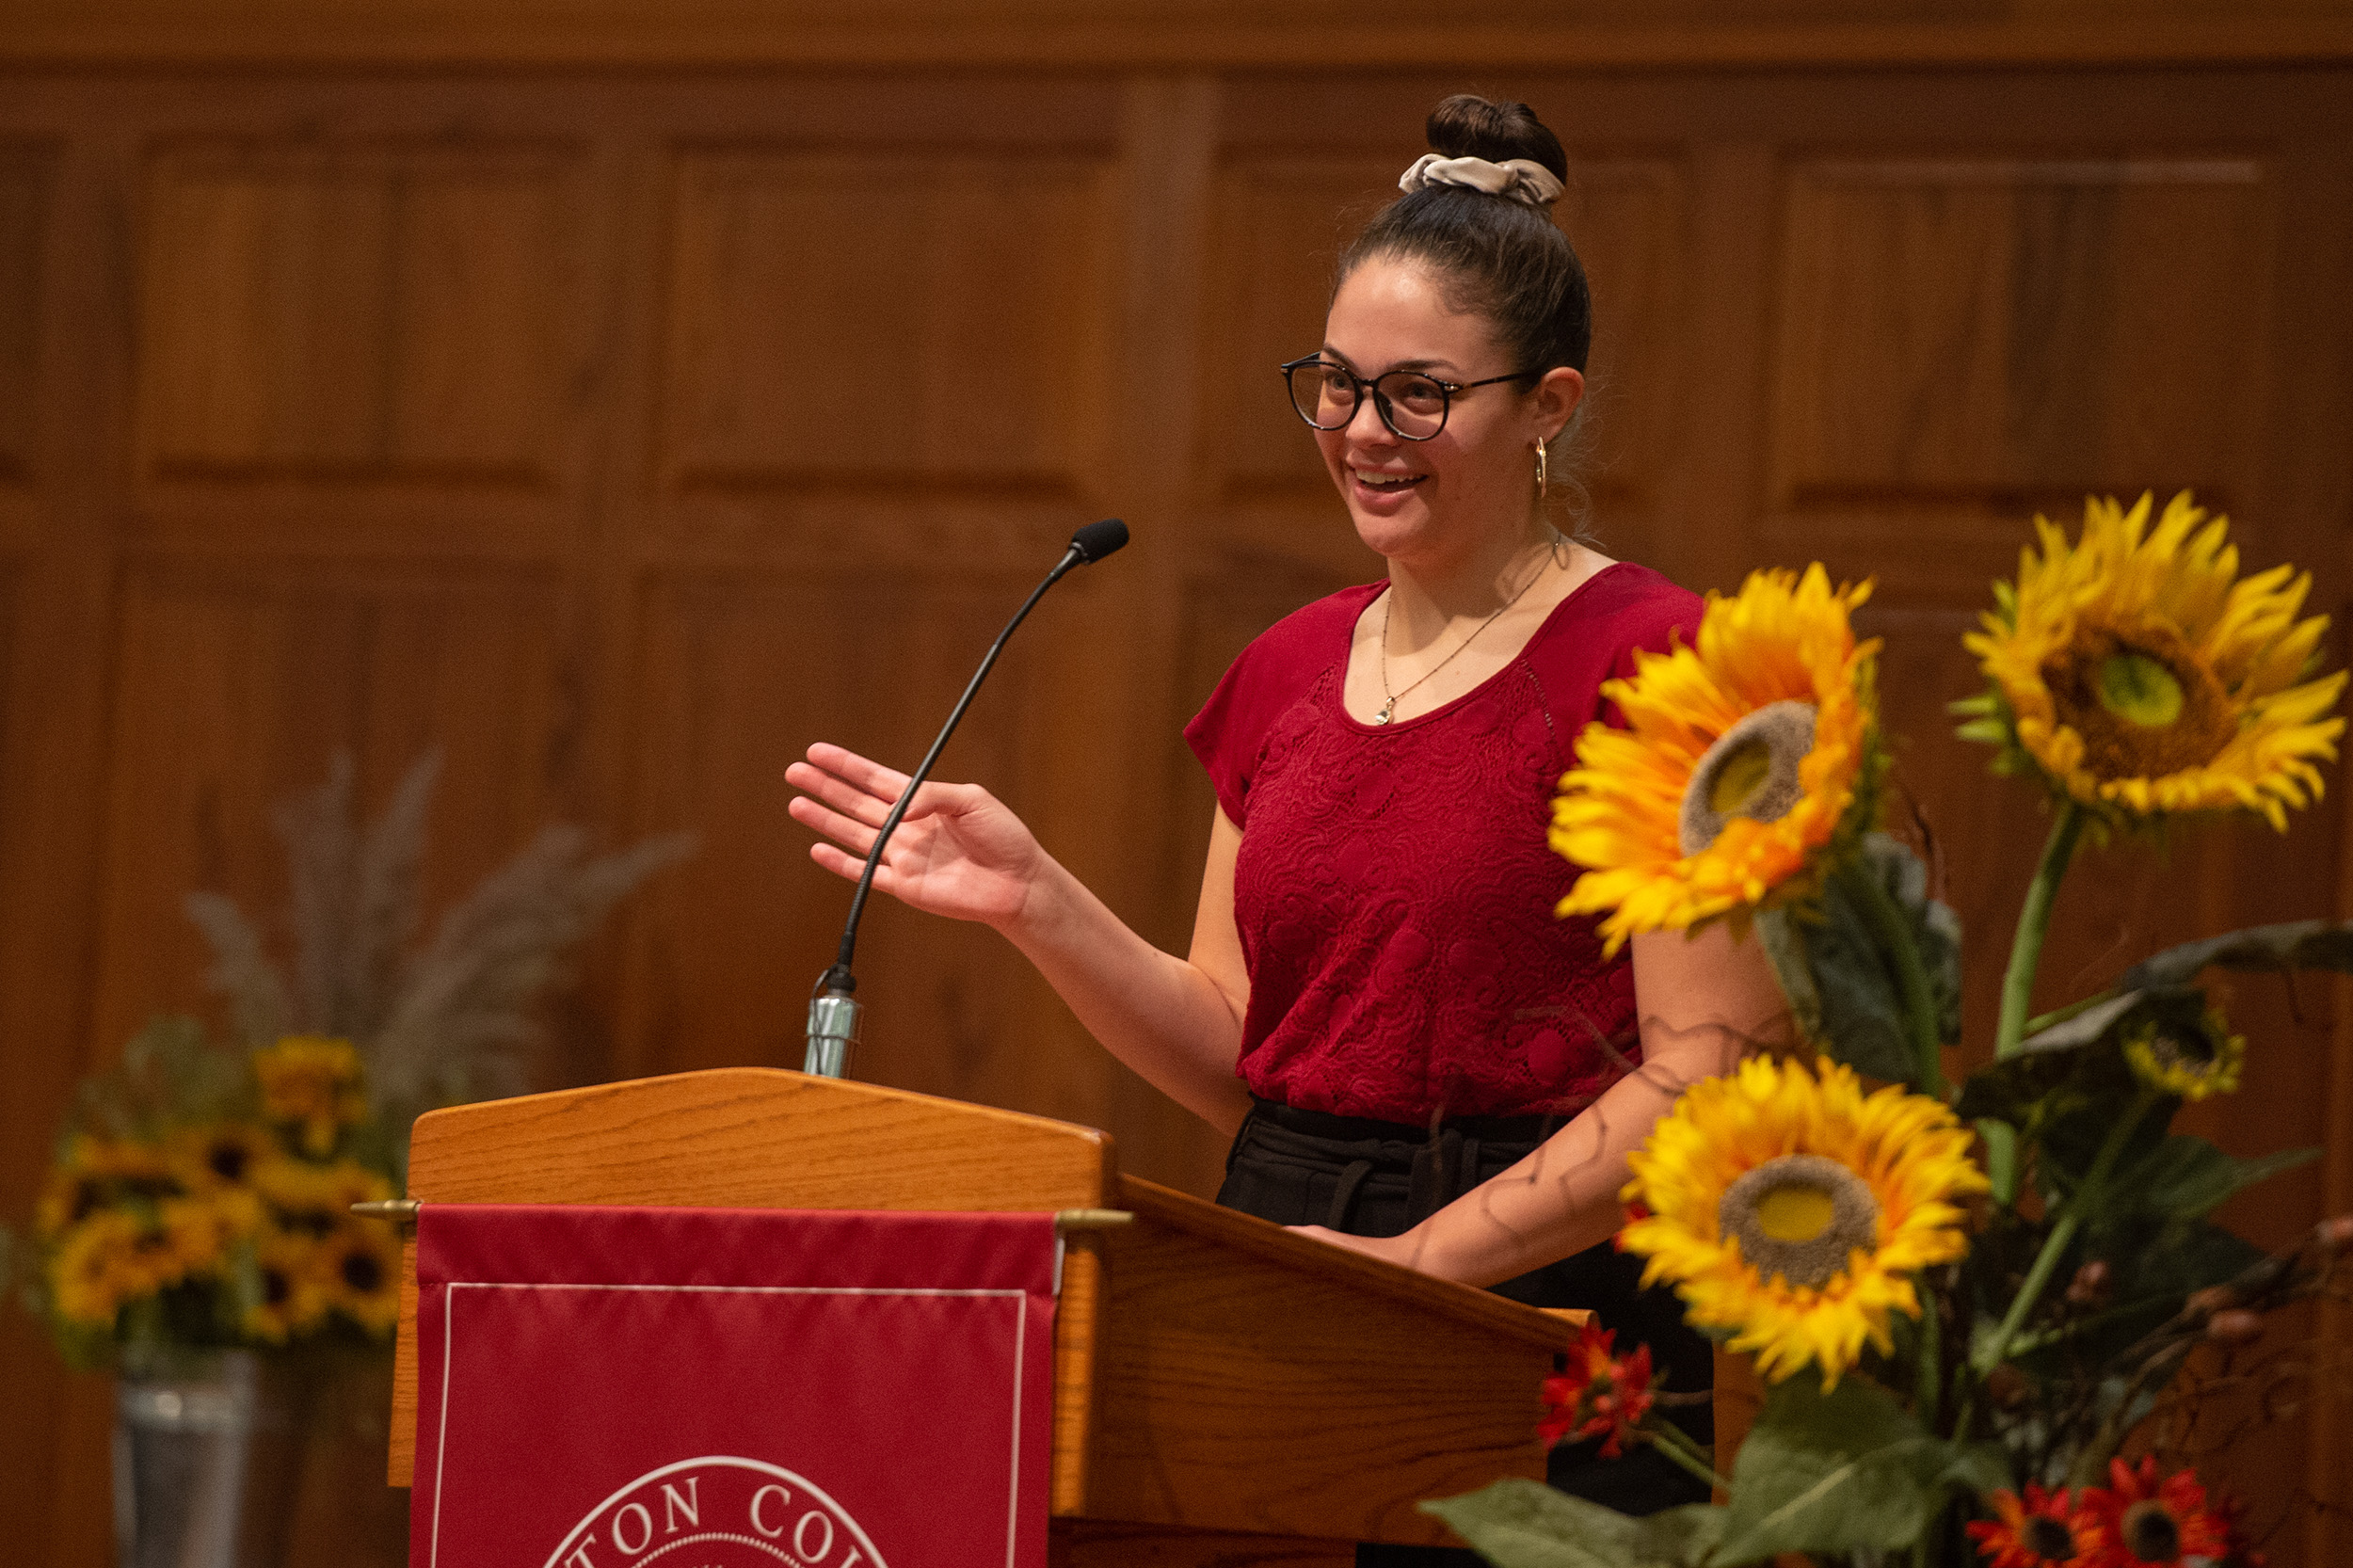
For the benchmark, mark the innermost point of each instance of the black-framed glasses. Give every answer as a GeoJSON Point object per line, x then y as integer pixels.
{"type": "Point", "coordinates": [1412, 403]}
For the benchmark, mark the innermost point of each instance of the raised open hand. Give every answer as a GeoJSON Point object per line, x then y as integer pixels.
{"type": "Point", "coordinates": [959, 851]}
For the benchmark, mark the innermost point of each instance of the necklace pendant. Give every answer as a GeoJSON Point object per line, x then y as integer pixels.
{"type": "Point", "coordinates": [1383, 717]}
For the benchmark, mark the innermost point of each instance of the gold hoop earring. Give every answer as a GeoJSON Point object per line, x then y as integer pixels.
{"type": "Point", "coordinates": [1540, 470]}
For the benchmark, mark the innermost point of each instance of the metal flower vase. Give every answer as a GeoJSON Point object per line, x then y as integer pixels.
{"type": "Point", "coordinates": [207, 1458]}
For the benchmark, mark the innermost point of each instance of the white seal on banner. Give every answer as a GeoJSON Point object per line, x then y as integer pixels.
{"type": "Point", "coordinates": [720, 1511]}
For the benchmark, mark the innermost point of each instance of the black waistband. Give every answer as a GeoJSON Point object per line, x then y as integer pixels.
{"type": "Point", "coordinates": [1324, 1123]}
{"type": "Point", "coordinates": [1438, 1163]}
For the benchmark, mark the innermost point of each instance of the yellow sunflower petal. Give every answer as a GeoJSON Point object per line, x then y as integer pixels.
{"type": "Point", "coordinates": [2142, 676]}
{"type": "Point", "coordinates": [1784, 637]}
{"type": "Point", "coordinates": [313, 1084]}
{"type": "Point", "coordinates": [1908, 1149]}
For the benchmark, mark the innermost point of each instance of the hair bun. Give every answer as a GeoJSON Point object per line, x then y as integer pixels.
{"type": "Point", "coordinates": [1468, 126]}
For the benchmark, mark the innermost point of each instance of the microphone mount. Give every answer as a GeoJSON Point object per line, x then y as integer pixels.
{"type": "Point", "coordinates": [834, 1009]}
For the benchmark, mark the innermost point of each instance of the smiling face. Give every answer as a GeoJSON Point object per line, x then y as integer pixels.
{"type": "Point", "coordinates": [1429, 505]}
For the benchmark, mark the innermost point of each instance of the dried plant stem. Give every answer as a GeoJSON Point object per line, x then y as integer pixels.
{"type": "Point", "coordinates": [2303, 1270]}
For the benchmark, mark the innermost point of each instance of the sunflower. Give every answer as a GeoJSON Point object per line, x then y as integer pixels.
{"type": "Point", "coordinates": [316, 1199]}
{"type": "Point", "coordinates": [2194, 1063]}
{"type": "Point", "coordinates": [1746, 758]}
{"type": "Point", "coordinates": [222, 1154]}
{"type": "Point", "coordinates": [1790, 1208]}
{"type": "Point", "coordinates": [2140, 675]}
{"type": "Point", "coordinates": [294, 1296]}
{"type": "Point", "coordinates": [203, 1229]}
{"type": "Point", "coordinates": [312, 1083]}
{"type": "Point", "coordinates": [2044, 1529]}
{"type": "Point", "coordinates": [1601, 1395]}
{"type": "Point", "coordinates": [357, 1270]}
{"type": "Point", "coordinates": [99, 1173]}
{"type": "Point", "coordinates": [2142, 1523]}
{"type": "Point", "coordinates": [111, 1258]}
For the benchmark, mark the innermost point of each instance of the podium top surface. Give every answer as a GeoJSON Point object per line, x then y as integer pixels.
{"type": "Point", "coordinates": [755, 1138]}
{"type": "Point", "coordinates": [768, 1138]}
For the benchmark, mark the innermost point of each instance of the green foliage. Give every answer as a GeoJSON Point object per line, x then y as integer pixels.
{"type": "Point", "coordinates": [171, 1073]}
{"type": "Point", "coordinates": [2186, 1178]}
{"type": "Point", "coordinates": [1845, 989]}
{"type": "Point", "coordinates": [1842, 1470]}
{"type": "Point", "coordinates": [2081, 1297]}
{"type": "Point", "coordinates": [1526, 1524]}
{"type": "Point", "coordinates": [2294, 945]}
{"type": "Point", "coordinates": [2158, 1261]}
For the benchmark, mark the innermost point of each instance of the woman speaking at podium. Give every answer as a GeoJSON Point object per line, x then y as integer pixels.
{"type": "Point", "coordinates": [1418, 1060]}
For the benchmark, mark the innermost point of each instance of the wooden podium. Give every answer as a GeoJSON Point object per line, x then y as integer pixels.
{"type": "Point", "coordinates": [1225, 1392]}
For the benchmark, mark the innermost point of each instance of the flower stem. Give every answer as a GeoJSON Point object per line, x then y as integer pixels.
{"type": "Point", "coordinates": [2063, 1234]}
{"type": "Point", "coordinates": [2034, 924]}
{"type": "Point", "coordinates": [2025, 955]}
{"type": "Point", "coordinates": [1932, 1352]}
{"type": "Point", "coordinates": [1893, 935]}
{"type": "Point", "coordinates": [1669, 1439]}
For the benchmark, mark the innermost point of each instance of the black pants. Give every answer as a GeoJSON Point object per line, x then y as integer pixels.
{"type": "Point", "coordinates": [1379, 1178]}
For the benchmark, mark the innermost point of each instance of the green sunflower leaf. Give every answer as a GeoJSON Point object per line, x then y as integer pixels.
{"type": "Point", "coordinates": [2295, 944]}
{"type": "Point", "coordinates": [2075, 1064]}
{"type": "Point", "coordinates": [1837, 1471]}
{"type": "Point", "coordinates": [1779, 934]}
{"type": "Point", "coordinates": [1525, 1524]}
{"type": "Point", "coordinates": [2158, 1261]}
{"type": "Point", "coordinates": [1979, 1468]}
{"type": "Point", "coordinates": [2188, 1177]}
{"type": "Point", "coordinates": [1844, 987]}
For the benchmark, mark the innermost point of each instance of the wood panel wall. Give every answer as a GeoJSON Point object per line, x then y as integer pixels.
{"type": "Point", "coordinates": [622, 433]}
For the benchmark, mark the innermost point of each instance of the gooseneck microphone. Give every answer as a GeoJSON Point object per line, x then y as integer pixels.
{"type": "Point", "coordinates": [834, 1008]}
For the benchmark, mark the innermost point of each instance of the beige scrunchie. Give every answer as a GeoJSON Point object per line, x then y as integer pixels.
{"type": "Point", "coordinates": [1517, 180]}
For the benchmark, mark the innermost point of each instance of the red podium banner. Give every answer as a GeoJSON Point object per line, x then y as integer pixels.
{"type": "Point", "coordinates": [732, 1388]}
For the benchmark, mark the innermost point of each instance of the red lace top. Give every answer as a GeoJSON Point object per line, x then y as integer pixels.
{"type": "Point", "coordinates": [1394, 891]}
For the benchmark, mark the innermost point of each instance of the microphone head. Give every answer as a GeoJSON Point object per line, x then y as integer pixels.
{"type": "Point", "coordinates": [1098, 539]}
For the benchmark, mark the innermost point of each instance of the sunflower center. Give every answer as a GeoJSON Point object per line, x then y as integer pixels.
{"type": "Point", "coordinates": [2193, 1054]}
{"type": "Point", "coordinates": [1794, 1212]}
{"type": "Point", "coordinates": [2144, 703]}
{"type": "Point", "coordinates": [1752, 771]}
{"type": "Point", "coordinates": [2048, 1538]}
{"type": "Point", "coordinates": [2151, 1532]}
{"type": "Point", "coordinates": [1801, 1217]}
{"type": "Point", "coordinates": [2139, 690]}
{"type": "Point", "coordinates": [1739, 777]}
{"type": "Point", "coordinates": [363, 1272]}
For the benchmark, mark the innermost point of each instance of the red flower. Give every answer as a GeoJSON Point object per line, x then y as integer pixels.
{"type": "Point", "coordinates": [2045, 1529]}
{"type": "Point", "coordinates": [2138, 1522]}
{"type": "Point", "coordinates": [1600, 1395]}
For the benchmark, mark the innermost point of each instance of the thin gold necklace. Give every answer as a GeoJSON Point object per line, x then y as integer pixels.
{"type": "Point", "coordinates": [1389, 708]}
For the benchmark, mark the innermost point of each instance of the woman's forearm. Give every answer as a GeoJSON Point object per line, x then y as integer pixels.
{"type": "Point", "coordinates": [1559, 1200]}
{"type": "Point", "coordinates": [1702, 1001]}
{"type": "Point", "coordinates": [1162, 1015]}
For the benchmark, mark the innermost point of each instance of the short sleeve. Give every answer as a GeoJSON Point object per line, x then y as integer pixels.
{"type": "Point", "coordinates": [1658, 624]}
{"type": "Point", "coordinates": [1228, 739]}
{"type": "Point", "coordinates": [1277, 670]}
